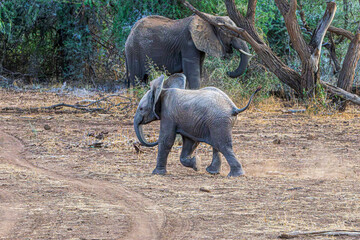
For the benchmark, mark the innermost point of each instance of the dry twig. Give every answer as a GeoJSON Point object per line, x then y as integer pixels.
{"type": "Point", "coordinates": [102, 105]}
{"type": "Point", "coordinates": [323, 233]}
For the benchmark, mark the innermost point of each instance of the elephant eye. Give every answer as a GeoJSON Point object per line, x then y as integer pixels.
{"type": "Point", "coordinates": [141, 109]}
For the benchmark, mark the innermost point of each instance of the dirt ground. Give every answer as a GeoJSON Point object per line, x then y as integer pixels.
{"type": "Point", "coordinates": [302, 173]}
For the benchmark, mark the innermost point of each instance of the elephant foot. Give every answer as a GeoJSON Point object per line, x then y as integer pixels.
{"type": "Point", "coordinates": [213, 170]}
{"type": "Point", "coordinates": [190, 162]}
{"type": "Point", "coordinates": [159, 171]}
{"type": "Point", "coordinates": [236, 172]}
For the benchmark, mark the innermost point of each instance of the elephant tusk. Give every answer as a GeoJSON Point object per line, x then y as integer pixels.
{"type": "Point", "coordinates": [245, 53]}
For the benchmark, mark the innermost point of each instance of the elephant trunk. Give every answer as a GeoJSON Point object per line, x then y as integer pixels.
{"type": "Point", "coordinates": [242, 47]}
{"type": "Point", "coordinates": [140, 134]}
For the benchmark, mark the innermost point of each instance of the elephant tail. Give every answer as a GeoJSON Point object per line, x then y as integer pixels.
{"type": "Point", "coordinates": [236, 111]}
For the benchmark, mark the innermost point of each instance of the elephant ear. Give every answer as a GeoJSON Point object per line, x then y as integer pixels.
{"type": "Point", "coordinates": [177, 80]}
{"type": "Point", "coordinates": [205, 38]}
{"type": "Point", "coordinates": [156, 87]}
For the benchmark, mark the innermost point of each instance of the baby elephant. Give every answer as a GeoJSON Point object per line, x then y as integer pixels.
{"type": "Point", "coordinates": [204, 115]}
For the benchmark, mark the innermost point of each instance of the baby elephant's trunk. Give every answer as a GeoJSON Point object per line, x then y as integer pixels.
{"type": "Point", "coordinates": [239, 110]}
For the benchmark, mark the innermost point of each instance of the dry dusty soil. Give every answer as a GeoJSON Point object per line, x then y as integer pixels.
{"type": "Point", "coordinates": [70, 175]}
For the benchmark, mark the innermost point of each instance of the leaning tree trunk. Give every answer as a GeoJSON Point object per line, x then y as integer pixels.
{"type": "Point", "coordinates": [347, 73]}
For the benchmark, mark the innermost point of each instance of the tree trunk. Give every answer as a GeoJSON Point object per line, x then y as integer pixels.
{"type": "Point", "coordinates": [347, 73]}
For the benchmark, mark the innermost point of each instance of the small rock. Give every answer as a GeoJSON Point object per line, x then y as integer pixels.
{"type": "Point", "coordinates": [96, 145]}
{"type": "Point", "coordinates": [47, 127]}
{"type": "Point", "coordinates": [277, 141]}
{"type": "Point", "coordinates": [101, 135]}
{"type": "Point", "coordinates": [91, 134]}
{"type": "Point", "coordinates": [204, 189]}
{"type": "Point", "coordinates": [311, 137]}
{"type": "Point", "coordinates": [137, 147]}
{"type": "Point", "coordinates": [273, 173]}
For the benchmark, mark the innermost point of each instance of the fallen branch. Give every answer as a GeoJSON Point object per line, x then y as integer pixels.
{"type": "Point", "coordinates": [341, 93]}
{"type": "Point", "coordinates": [102, 105]}
{"type": "Point", "coordinates": [293, 110]}
{"type": "Point", "coordinates": [323, 233]}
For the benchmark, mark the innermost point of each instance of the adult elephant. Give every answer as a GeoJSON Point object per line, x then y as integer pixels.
{"type": "Point", "coordinates": [180, 46]}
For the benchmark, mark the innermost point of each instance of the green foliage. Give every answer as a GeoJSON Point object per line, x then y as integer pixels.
{"type": "Point", "coordinates": [83, 40]}
{"type": "Point", "coordinates": [61, 40]}
{"type": "Point", "coordinates": [242, 87]}
{"type": "Point", "coordinates": [271, 25]}
{"type": "Point", "coordinates": [154, 71]}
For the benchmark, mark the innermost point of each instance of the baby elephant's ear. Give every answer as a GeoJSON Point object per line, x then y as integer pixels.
{"type": "Point", "coordinates": [156, 87]}
{"type": "Point", "coordinates": [177, 80]}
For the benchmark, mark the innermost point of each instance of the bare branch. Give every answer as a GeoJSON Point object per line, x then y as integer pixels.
{"type": "Point", "coordinates": [234, 13]}
{"type": "Point", "coordinates": [82, 107]}
{"type": "Point", "coordinates": [332, 50]}
{"type": "Point", "coordinates": [250, 14]}
{"type": "Point", "coordinates": [234, 31]}
{"type": "Point", "coordinates": [199, 13]}
{"type": "Point", "coordinates": [245, 23]}
{"type": "Point", "coordinates": [342, 32]}
{"type": "Point", "coordinates": [320, 31]}
{"type": "Point", "coordinates": [240, 33]}
{"type": "Point", "coordinates": [303, 19]}
{"type": "Point", "coordinates": [293, 28]}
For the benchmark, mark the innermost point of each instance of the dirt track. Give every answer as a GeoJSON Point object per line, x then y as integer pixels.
{"type": "Point", "coordinates": [302, 173]}
{"type": "Point", "coordinates": [145, 217]}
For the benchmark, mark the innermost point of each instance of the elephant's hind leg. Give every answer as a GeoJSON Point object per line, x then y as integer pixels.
{"type": "Point", "coordinates": [235, 167]}
{"type": "Point", "coordinates": [188, 149]}
{"type": "Point", "coordinates": [215, 166]}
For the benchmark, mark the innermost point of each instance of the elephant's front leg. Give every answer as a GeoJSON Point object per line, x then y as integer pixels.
{"type": "Point", "coordinates": [191, 64]}
{"type": "Point", "coordinates": [187, 150]}
{"type": "Point", "coordinates": [166, 141]}
{"type": "Point", "coordinates": [215, 166]}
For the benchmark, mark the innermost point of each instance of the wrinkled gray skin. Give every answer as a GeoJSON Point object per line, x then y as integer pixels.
{"type": "Point", "coordinates": [205, 115]}
{"type": "Point", "coordinates": [179, 46]}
